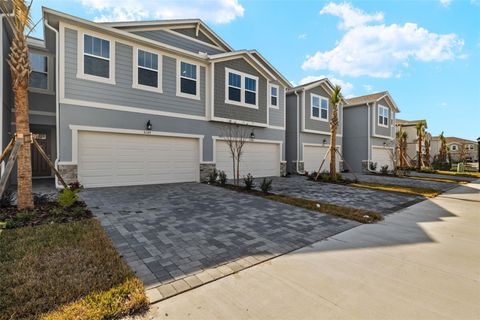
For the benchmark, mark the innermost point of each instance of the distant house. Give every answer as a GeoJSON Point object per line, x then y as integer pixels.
{"type": "Point", "coordinates": [410, 127]}
{"type": "Point", "coordinates": [369, 131]}
{"type": "Point", "coordinates": [462, 149]}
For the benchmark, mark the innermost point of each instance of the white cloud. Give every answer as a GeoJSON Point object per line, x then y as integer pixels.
{"type": "Point", "coordinates": [382, 50]}
{"type": "Point", "coordinates": [443, 104]}
{"type": "Point", "coordinates": [351, 17]}
{"type": "Point", "coordinates": [214, 11]}
{"type": "Point", "coordinates": [445, 3]}
{"type": "Point", "coordinates": [347, 87]}
{"type": "Point", "coordinates": [368, 87]}
{"type": "Point", "coordinates": [302, 36]}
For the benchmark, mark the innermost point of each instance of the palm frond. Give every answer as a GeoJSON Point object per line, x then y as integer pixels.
{"type": "Point", "coordinates": [18, 15]}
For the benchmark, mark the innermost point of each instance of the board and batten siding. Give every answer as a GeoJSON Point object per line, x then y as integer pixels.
{"type": "Point", "coordinates": [236, 112]}
{"type": "Point", "coordinates": [177, 41]}
{"type": "Point", "coordinates": [355, 136]}
{"type": "Point", "coordinates": [319, 125]}
{"type": "Point", "coordinates": [122, 92]}
{"type": "Point", "coordinates": [192, 32]}
{"type": "Point", "coordinates": [276, 116]}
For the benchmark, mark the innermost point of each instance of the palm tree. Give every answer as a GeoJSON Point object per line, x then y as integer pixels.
{"type": "Point", "coordinates": [443, 149]}
{"type": "Point", "coordinates": [20, 23]}
{"type": "Point", "coordinates": [420, 134]}
{"type": "Point", "coordinates": [427, 152]}
{"type": "Point", "coordinates": [334, 101]}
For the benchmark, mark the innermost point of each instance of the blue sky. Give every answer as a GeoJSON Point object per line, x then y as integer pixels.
{"type": "Point", "coordinates": [425, 53]}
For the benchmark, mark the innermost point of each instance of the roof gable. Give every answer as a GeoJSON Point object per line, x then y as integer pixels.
{"type": "Point", "coordinates": [374, 97]}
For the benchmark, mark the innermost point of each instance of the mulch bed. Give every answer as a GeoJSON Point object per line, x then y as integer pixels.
{"type": "Point", "coordinates": [45, 213]}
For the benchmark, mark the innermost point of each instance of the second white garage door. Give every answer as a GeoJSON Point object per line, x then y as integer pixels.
{"type": "Point", "coordinates": [258, 159]}
{"type": "Point", "coordinates": [382, 156]}
{"type": "Point", "coordinates": [313, 157]}
{"type": "Point", "coordinates": [113, 159]}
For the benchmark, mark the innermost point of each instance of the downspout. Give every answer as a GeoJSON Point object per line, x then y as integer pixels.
{"type": "Point", "coordinates": [298, 133]}
{"type": "Point", "coordinates": [57, 97]}
{"type": "Point", "coordinates": [369, 143]}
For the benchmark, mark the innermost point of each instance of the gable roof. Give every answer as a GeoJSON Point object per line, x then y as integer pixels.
{"type": "Point", "coordinates": [256, 58]}
{"type": "Point", "coordinates": [407, 123]}
{"type": "Point", "coordinates": [458, 140]}
{"type": "Point", "coordinates": [172, 24]}
{"type": "Point", "coordinates": [374, 97]}
{"type": "Point", "coordinates": [320, 82]}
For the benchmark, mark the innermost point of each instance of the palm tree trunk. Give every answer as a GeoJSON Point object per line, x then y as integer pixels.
{"type": "Point", "coordinates": [20, 70]}
{"type": "Point", "coordinates": [419, 163]}
{"type": "Point", "coordinates": [333, 142]}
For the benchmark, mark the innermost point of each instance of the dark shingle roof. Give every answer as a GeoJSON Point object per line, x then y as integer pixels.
{"type": "Point", "coordinates": [365, 99]}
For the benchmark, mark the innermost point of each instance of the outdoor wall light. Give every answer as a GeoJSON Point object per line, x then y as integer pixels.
{"type": "Point", "coordinates": [324, 141]}
{"type": "Point", "coordinates": [252, 135]}
{"type": "Point", "coordinates": [148, 126]}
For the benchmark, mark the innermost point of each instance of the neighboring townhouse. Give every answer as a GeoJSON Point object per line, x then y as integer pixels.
{"type": "Point", "coordinates": [410, 127]}
{"type": "Point", "coordinates": [462, 149]}
{"type": "Point", "coordinates": [308, 127]}
{"type": "Point", "coordinates": [369, 131]}
{"type": "Point", "coordinates": [147, 102]}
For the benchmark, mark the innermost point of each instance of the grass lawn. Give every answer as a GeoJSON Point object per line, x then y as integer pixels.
{"type": "Point", "coordinates": [356, 214]}
{"type": "Point", "coordinates": [438, 179]}
{"type": "Point", "coordinates": [460, 174]}
{"type": "Point", "coordinates": [424, 192]}
{"type": "Point", "coordinates": [65, 271]}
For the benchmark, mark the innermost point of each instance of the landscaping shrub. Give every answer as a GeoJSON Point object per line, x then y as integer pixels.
{"type": "Point", "coordinates": [373, 166]}
{"type": "Point", "coordinates": [212, 177]}
{"type": "Point", "coordinates": [324, 176]}
{"type": "Point", "coordinates": [40, 198]}
{"type": "Point", "coordinates": [75, 186]}
{"type": "Point", "coordinates": [266, 185]}
{"type": "Point", "coordinates": [222, 177]}
{"type": "Point", "coordinates": [7, 199]}
{"type": "Point", "coordinates": [384, 169]}
{"type": "Point", "coordinates": [68, 197]}
{"type": "Point", "coordinates": [249, 182]}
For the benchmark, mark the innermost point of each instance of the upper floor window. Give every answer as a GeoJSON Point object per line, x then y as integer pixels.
{"type": "Point", "coordinates": [187, 80]}
{"type": "Point", "coordinates": [39, 75]}
{"type": "Point", "coordinates": [383, 116]}
{"type": "Point", "coordinates": [241, 89]}
{"type": "Point", "coordinates": [147, 74]}
{"type": "Point", "coordinates": [453, 148]}
{"type": "Point", "coordinates": [319, 108]}
{"type": "Point", "coordinates": [96, 56]}
{"type": "Point", "coordinates": [274, 96]}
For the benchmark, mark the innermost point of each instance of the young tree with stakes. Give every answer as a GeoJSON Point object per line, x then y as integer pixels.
{"type": "Point", "coordinates": [420, 134]}
{"type": "Point", "coordinates": [334, 101]}
{"type": "Point", "coordinates": [235, 136]}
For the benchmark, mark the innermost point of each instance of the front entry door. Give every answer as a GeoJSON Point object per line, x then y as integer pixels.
{"type": "Point", "coordinates": [40, 167]}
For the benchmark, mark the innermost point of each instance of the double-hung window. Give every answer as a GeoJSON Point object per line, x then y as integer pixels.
{"type": "Point", "coordinates": [241, 89]}
{"type": "Point", "coordinates": [39, 75]}
{"type": "Point", "coordinates": [187, 85]}
{"type": "Point", "coordinates": [383, 116]}
{"type": "Point", "coordinates": [148, 73]}
{"type": "Point", "coordinates": [319, 108]}
{"type": "Point", "coordinates": [96, 57]}
{"type": "Point", "coordinates": [274, 96]}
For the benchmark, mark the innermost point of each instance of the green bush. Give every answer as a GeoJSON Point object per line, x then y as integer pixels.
{"type": "Point", "coordinates": [222, 177]}
{"type": "Point", "coordinates": [68, 197]}
{"type": "Point", "coordinates": [384, 169]}
{"type": "Point", "coordinates": [266, 185]}
{"type": "Point", "coordinates": [373, 166]}
{"type": "Point", "coordinates": [212, 177]}
{"type": "Point", "coordinates": [249, 182]}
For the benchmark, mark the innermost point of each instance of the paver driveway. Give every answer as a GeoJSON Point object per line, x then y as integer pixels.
{"type": "Point", "coordinates": [168, 232]}
{"type": "Point", "coordinates": [382, 202]}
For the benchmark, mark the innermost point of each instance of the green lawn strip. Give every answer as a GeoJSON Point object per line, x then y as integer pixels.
{"type": "Point", "coordinates": [65, 271]}
{"type": "Point", "coordinates": [435, 179]}
{"type": "Point", "coordinates": [460, 174]}
{"type": "Point", "coordinates": [424, 192]}
{"type": "Point", "coordinates": [356, 214]}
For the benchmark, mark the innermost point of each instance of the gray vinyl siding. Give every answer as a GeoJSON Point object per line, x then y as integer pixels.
{"type": "Point", "coordinates": [292, 124]}
{"type": "Point", "coordinates": [122, 93]}
{"type": "Point", "coordinates": [41, 102]}
{"type": "Point", "coordinates": [177, 41]}
{"type": "Point", "coordinates": [317, 125]}
{"type": "Point", "coordinates": [276, 116]}
{"type": "Point", "coordinates": [355, 136]}
{"type": "Point", "coordinates": [7, 103]}
{"type": "Point", "coordinates": [192, 32]}
{"type": "Point", "coordinates": [379, 129]}
{"type": "Point", "coordinates": [236, 112]}
{"type": "Point", "coordinates": [378, 142]}
{"type": "Point", "coordinates": [85, 116]}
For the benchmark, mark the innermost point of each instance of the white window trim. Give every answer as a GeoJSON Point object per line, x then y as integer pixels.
{"type": "Point", "coordinates": [49, 89]}
{"type": "Point", "coordinates": [378, 116]}
{"type": "Point", "coordinates": [242, 102]}
{"type": "Point", "coordinates": [454, 147]}
{"type": "Point", "coordinates": [186, 95]}
{"type": "Point", "coordinates": [270, 96]}
{"type": "Point", "coordinates": [319, 118]}
{"type": "Point", "coordinates": [80, 54]}
{"type": "Point", "coordinates": [159, 71]}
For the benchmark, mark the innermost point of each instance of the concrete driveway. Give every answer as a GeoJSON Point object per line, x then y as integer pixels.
{"type": "Point", "coordinates": [420, 263]}
{"type": "Point", "coordinates": [382, 202]}
{"type": "Point", "coordinates": [180, 236]}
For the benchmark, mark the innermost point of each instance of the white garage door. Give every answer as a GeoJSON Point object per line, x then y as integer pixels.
{"type": "Point", "coordinates": [313, 157]}
{"type": "Point", "coordinates": [258, 159]}
{"type": "Point", "coordinates": [382, 156]}
{"type": "Point", "coordinates": [112, 159]}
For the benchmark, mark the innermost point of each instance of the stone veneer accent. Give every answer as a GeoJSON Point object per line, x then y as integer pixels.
{"type": "Point", "coordinates": [68, 172]}
{"type": "Point", "coordinates": [301, 167]}
{"type": "Point", "coordinates": [205, 170]}
{"type": "Point", "coordinates": [283, 169]}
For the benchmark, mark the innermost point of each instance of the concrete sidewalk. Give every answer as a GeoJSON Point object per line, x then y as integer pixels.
{"type": "Point", "coordinates": [420, 263]}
